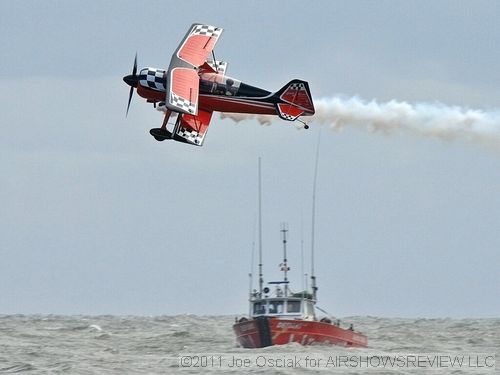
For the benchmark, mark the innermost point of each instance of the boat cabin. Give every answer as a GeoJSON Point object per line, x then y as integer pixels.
{"type": "Point", "coordinates": [283, 308]}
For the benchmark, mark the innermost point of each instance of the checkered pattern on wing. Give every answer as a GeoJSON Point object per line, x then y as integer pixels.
{"type": "Point", "coordinates": [155, 79]}
{"type": "Point", "coordinates": [191, 135]}
{"type": "Point", "coordinates": [297, 86]}
{"type": "Point", "coordinates": [182, 103]}
{"type": "Point", "coordinates": [219, 66]}
{"type": "Point", "coordinates": [207, 30]}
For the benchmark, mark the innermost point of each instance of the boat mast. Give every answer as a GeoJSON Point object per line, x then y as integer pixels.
{"type": "Point", "coordinates": [302, 285]}
{"type": "Point", "coordinates": [261, 280]}
{"type": "Point", "coordinates": [250, 274]}
{"type": "Point", "coordinates": [284, 266]}
{"type": "Point", "coordinates": [313, 276]}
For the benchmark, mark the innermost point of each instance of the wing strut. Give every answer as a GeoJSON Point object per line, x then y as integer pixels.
{"type": "Point", "coordinates": [215, 61]}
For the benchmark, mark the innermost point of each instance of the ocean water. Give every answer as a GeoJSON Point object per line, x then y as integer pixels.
{"type": "Point", "coordinates": [189, 344]}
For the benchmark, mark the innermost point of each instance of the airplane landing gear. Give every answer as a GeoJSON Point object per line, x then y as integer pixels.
{"type": "Point", "coordinates": [160, 134]}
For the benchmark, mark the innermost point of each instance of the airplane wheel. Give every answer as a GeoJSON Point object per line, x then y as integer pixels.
{"type": "Point", "coordinates": [160, 134]}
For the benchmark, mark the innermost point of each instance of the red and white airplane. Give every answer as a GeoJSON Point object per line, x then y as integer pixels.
{"type": "Point", "coordinates": [194, 87]}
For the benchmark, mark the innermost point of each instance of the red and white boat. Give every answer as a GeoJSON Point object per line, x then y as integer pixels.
{"type": "Point", "coordinates": [284, 317]}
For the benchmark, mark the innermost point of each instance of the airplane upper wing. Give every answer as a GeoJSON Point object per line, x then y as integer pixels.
{"type": "Point", "coordinates": [182, 91]}
{"type": "Point", "coordinates": [198, 44]}
{"type": "Point", "coordinates": [182, 76]}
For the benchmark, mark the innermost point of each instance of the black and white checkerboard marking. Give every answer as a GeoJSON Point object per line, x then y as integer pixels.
{"type": "Point", "coordinates": [220, 66]}
{"type": "Point", "coordinates": [286, 116]}
{"type": "Point", "coordinates": [191, 135]}
{"type": "Point", "coordinates": [154, 78]}
{"type": "Point", "coordinates": [206, 30]}
{"type": "Point", "coordinates": [182, 103]}
{"type": "Point", "coordinates": [297, 86]}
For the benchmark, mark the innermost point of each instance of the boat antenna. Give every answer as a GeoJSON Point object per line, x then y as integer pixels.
{"type": "Point", "coordinates": [250, 274]}
{"type": "Point", "coordinates": [261, 280]}
{"type": "Point", "coordinates": [284, 266]}
{"type": "Point", "coordinates": [302, 252]}
{"type": "Point", "coordinates": [313, 276]}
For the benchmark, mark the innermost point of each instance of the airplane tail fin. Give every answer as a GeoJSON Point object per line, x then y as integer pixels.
{"type": "Point", "coordinates": [294, 100]}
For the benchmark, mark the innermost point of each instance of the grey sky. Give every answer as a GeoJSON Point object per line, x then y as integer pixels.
{"type": "Point", "coordinates": [97, 217]}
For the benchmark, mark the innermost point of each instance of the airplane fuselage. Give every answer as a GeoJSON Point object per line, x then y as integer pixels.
{"type": "Point", "coordinates": [217, 93]}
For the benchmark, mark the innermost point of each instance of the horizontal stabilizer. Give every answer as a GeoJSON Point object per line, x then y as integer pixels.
{"type": "Point", "coordinates": [288, 112]}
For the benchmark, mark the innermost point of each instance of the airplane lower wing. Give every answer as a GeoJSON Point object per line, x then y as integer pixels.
{"type": "Point", "coordinates": [193, 129]}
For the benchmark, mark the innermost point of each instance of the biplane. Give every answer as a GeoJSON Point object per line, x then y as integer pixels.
{"type": "Point", "coordinates": [195, 85]}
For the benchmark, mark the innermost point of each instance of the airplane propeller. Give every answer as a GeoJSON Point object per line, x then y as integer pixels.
{"type": "Point", "coordinates": [131, 80]}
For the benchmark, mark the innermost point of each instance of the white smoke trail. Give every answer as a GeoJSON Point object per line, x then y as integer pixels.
{"type": "Point", "coordinates": [429, 120]}
{"type": "Point", "coordinates": [237, 117]}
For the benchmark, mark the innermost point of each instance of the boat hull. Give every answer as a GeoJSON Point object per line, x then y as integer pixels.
{"type": "Point", "coordinates": [265, 331]}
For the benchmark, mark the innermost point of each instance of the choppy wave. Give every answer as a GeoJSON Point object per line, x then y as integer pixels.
{"type": "Point", "coordinates": [153, 345]}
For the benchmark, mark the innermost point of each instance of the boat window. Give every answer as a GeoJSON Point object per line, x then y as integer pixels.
{"type": "Point", "coordinates": [276, 307]}
{"type": "Point", "coordinates": [293, 307]}
{"type": "Point", "coordinates": [259, 308]}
